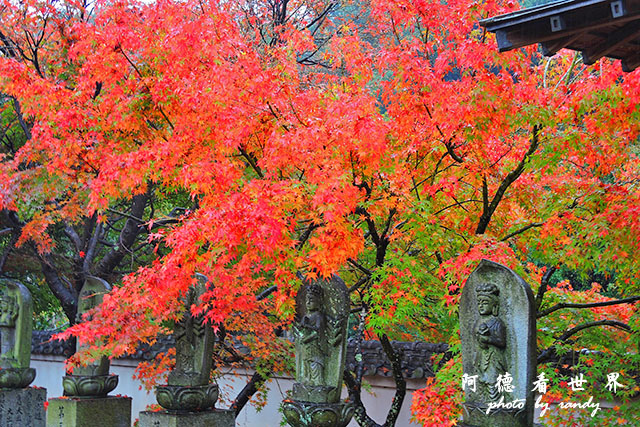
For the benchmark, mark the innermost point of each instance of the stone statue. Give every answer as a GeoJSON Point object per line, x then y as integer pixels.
{"type": "Point", "coordinates": [194, 343]}
{"type": "Point", "coordinates": [16, 319]}
{"type": "Point", "coordinates": [312, 341]}
{"type": "Point", "coordinates": [189, 386]}
{"type": "Point", "coordinates": [90, 297]}
{"type": "Point", "coordinates": [491, 336]}
{"type": "Point", "coordinates": [497, 332]}
{"type": "Point", "coordinates": [92, 379]}
{"type": "Point", "coordinates": [8, 316]}
{"type": "Point", "coordinates": [320, 329]}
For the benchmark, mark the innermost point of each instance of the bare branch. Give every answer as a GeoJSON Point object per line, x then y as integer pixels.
{"type": "Point", "coordinates": [360, 267]}
{"type": "Point", "coordinates": [544, 283]}
{"type": "Point", "coordinates": [562, 305]}
{"type": "Point", "coordinates": [522, 230]}
{"type": "Point", "coordinates": [395, 357]}
{"type": "Point", "coordinates": [490, 208]}
{"type": "Point", "coordinates": [604, 322]}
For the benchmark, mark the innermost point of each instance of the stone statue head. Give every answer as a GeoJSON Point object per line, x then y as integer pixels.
{"type": "Point", "coordinates": [86, 301]}
{"type": "Point", "coordinates": [488, 299]}
{"type": "Point", "coordinates": [90, 296]}
{"type": "Point", "coordinates": [8, 309]}
{"type": "Point", "coordinates": [314, 298]}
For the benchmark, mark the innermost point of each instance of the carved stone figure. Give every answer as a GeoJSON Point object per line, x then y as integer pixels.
{"type": "Point", "coordinates": [194, 343]}
{"type": "Point", "coordinates": [8, 316]}
{"type": "Point", "coordinates": [491, 336]}
{"type": "Point", "coordinates": [497, 331]}
{"type": "Point", "coordinates": [313, 344]}
{"type": "Point", "coordinates": [322, 309]}
{"type": "Point", "coordinates": [90, 297]}
{"type": "Point", "coordinates": [188, 386]}
{"type": "Point", "coordinates": [92, 379]}
{"type": "Point", "coordinates": [16, 311]}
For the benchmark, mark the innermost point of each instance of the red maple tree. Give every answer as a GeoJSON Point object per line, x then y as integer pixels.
{"type": "Point", "coordinates": [385, 141]}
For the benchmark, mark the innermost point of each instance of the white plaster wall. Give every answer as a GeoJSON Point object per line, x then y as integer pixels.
{"type": "Point", "coordinates": [50, 370]}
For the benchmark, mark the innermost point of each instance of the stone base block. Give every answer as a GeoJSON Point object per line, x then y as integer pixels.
{"type": "Point", "coordinates": [213, 418]}
{"type": "Point", "coordinates": [22, 407]}
{"type": "Point", "coordinates": [107, 411]}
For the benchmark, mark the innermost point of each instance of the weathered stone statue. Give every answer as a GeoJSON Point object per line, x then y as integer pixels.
{"type": "Point", "coordinates": [497, 329]}
{"type": "Point", "coordinates": [491, 336]}
{"type": "Point", "coordinates": [16, 317]}
{"type": "Point", "coordinates": [189, 396]}
{"type": "Point", "coordinates": [320, 329]}
{"type": "Point", "coordinates": [313, 344]}
{"type": "Point", "coordinates": [189, 385]}
{"type": "Point", "coordinates": [20, 405]}
{"type": "Point", "coordinates": [86, 401]}
{"type": "Point", "coordinates": [92, 380]}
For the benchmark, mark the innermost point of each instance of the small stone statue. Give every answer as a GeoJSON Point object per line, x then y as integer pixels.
{"type": "Point", "coordinates": [8, 316]}
{"type": "Point", "coordinates": [194, 343]}
{"type": "Point", "coordinates": [498, 347]}
{"type": "Point", "coordinates": [92, 379]}
{"type": "Point", "coordinates": [322, 309]}
{"type": "Point", "coordinates": [313, 344]}
{"type": "Point", "coordinates": [491, 336]}
{"type": "Point", "coordinates": [15, 335]}
{"type": "Point", "coordinates": [189, 387]}
{"type": "Point", "coordinates": [90, 297]}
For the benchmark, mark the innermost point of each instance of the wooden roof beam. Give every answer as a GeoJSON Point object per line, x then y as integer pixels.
{"type": "Point", "coordinates": [552, 47]}
{"type": "Point", "coordinates": [616, 39]}
{"type": "Point", "coordinates": [531, 33]}
{"type": "Point", "coordinates": [631, 63]}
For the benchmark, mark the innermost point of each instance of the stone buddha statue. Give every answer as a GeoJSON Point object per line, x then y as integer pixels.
{"type": "Point", "coordinates": [491, 334]}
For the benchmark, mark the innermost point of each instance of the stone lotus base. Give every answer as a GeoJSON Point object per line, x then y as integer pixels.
{"type": "Point", "coordinates": [474, 415]}
{"type": "Point", "coordinates": [108, 411]}
{"type": "Point", "coordinates": [23, 407]}
{"type": "Point", "coordinates": [16, 377]}
{"type": "Point", "coordinates": [187, 398]}
{"type": "Point", "coordinates": [312, 414]}
{"type": "Point", "coordinates": [89, 386]}
{"type": "Point", "coordinates": [315, 393]}
{"type": "Point", "coordinates": [211, 418]}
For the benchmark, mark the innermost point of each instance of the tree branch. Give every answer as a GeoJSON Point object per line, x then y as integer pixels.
{"type": "Point", "coordinates": [604, 322]}
{"type": "Point", "coordinates": [489, 209]}
{"type": "Point", "coordinates": [355, 391]}
{"type": "Point", "coordinates": [544, 283]}
{"type": "Point", "coordinates": [252, 161]}
{"type": "Point", "coordinates": [562, 305]}
{"type": "Point", "coordinates": [262, 295]}
{"type": "Point", "coordinates": [359, 267]}
{"type": "Point", "coordinates": [247, 391]}
{"type": "Point", "coordinates": [548, 354]}
{"type": "Point", "coordinates": [132, 228]}
{"type": "Point", "coordinates": [521, 230]}
{"type": "Point", "coordinates": [395, 358]}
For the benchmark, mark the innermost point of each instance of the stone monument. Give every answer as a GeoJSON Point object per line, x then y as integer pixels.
{"type": "Point", "coordinates": [86, 400]}
{"type": "Point", "coordinates": [189, 396]}
{"type": "Point", "coordinates": [320, 329]}
{"type": "Point", "coordinates": [498, 334]}
{"type": "Point", "coordinates": [20, 405]}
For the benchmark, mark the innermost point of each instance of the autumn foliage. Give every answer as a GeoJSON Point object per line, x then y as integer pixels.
{"type": "Point", "coordinates": [387, 141]}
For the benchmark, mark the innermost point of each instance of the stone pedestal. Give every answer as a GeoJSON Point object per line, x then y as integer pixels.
{"type": "Point", "coordinates": [213, 418]}
{"type": "Point", "coordinates": [22, 407]}
{"type": "Point", "coordinates": [312, 414]}
{"type": "Point", "coordinates": [104, 412]}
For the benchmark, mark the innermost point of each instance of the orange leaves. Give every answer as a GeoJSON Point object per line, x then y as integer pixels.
{"type": "Point", "coordinates": [440, 402]}
{"type": "Point", "coordinates": [302, 146]}
{"type": "Point", "coordinates": [36, 231]}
